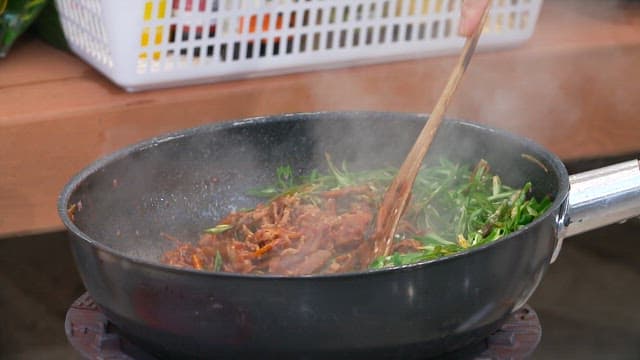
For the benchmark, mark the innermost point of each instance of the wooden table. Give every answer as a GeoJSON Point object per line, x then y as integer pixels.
{"type": "Point", "coordinates": [574, 87]}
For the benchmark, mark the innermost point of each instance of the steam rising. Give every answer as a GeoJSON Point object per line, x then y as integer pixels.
{"type": "Point", "coordinates": [182, 192]}
{"type": "Point", "coordinates": [542, 90]}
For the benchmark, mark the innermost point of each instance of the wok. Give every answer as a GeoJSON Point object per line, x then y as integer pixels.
{"type": "Point", "coordinates": [184, 182]}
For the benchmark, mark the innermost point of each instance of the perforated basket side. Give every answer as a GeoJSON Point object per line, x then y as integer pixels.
{"type": "Point", "coordinates": [158, 43]}
{"type": "Point", "coordinates": [85, 31]}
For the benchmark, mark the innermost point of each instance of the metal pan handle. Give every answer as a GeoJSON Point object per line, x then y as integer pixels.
{"type": "Point", "coordinates": [600, 197]}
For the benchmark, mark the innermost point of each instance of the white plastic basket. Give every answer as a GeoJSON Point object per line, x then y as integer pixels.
{"type": "Point", "coordinates": [144, 44]}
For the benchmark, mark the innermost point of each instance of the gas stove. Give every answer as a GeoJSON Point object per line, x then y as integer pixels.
{"type": "Point", "coordinates": [93, 336]}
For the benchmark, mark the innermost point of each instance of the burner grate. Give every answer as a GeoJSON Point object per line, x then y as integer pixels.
{"type": "Point", "coordinates": [95, 337]}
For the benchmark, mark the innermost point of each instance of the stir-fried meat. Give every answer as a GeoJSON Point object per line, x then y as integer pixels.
{"type": "Point", "coordinates": [290, 235]}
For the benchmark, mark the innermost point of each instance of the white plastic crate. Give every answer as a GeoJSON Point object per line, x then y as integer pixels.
{"type": "Point", "coordinates": [144, 44]}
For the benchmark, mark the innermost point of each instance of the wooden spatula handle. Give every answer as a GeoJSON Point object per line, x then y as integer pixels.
{"type": "Point", "coordinates": [397, 196]}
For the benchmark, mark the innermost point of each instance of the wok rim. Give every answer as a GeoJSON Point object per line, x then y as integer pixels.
{"type": "Point", "coordinates": [95, 166]}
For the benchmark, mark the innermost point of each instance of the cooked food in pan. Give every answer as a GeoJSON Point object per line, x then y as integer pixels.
{"type": "Point", "coordinates": [321, 223]}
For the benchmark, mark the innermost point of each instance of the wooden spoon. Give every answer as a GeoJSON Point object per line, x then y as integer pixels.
{"type": "Point", "coordinates": [397, 196]}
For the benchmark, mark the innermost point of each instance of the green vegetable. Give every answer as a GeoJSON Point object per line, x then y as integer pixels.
{"type": "Point", "coordinates": [217, 264]}
{"type": "Point", "coordinates": [284, 184]}
{"type": "Point", "coordinates": [454, 208]}
{"type": "Point", "coordinates": [218, 229]}
{"type": "Point", "coordinates": [48, 27]}
{"type": "Point", "coordinates": [15, 18]}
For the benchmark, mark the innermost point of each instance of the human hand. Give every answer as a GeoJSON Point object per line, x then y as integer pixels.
{"type": "Point", "coordinates": [472, 11]}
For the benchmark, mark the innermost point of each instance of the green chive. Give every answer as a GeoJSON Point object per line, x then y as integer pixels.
{"type": "Point", "coordinates": [217, 265]}
{"type": "Point", "coordinates": [218, 229]}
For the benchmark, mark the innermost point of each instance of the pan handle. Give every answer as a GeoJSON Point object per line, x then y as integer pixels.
{"type": "Point", "coordinates": [600, 197]}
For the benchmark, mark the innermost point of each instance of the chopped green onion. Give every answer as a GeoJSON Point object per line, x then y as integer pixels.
{"type": "Point", "coordinates": [218, 229]}
{"type": "Point", "coordinates": [217, 264]}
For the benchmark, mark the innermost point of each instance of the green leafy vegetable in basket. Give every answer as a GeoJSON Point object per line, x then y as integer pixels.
{"type": "Point", "coordinates": [15, 18]}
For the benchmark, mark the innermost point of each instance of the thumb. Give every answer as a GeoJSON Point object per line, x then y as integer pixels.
{"type": "Point", "coordinates": [471, 16]}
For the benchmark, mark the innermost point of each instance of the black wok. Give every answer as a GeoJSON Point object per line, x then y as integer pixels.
{"type": "Point", "coordinates": [184, 182]}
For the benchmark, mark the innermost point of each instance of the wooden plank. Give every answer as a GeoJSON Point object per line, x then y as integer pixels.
{"type": "Point", "coordinates": [567, 26]}
{"type": "Point", "coordinates": [31, 62]}
{"type": "Point", "coordinates": [573, 88]}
